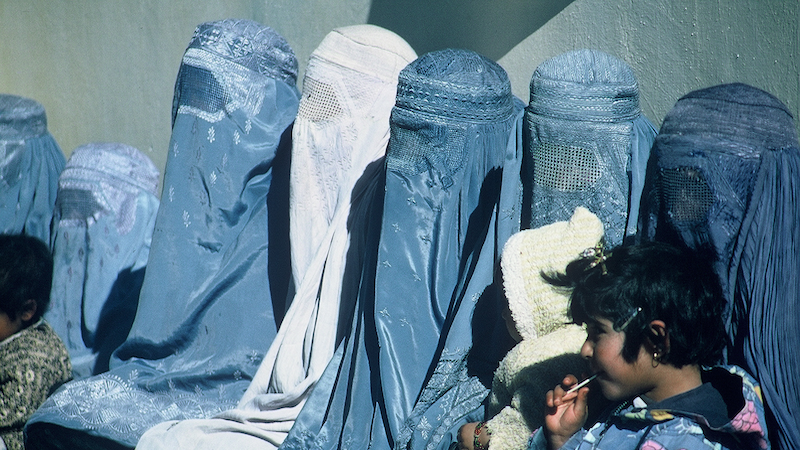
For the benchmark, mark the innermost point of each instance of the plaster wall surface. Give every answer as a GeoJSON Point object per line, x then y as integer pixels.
{"type": "Point", "coordinates": [676, 46]}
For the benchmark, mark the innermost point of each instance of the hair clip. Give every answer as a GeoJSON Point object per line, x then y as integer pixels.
{"type": "Point", "coordinates": [598, 256]}
{"type": "Point", "coordinates": [629, 320]}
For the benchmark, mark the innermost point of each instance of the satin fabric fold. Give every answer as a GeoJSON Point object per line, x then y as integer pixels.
{"type": "Point", "coordinates": [205, 314]}
{"type": "Point", "coordinates": [338, 138]}
{"type": "Point", "coordinates": [434, 257]}
{"type": "Point", "coordinates": [30, 163]}
{"type": "Point", "coordinates": [724, 180]}
{"type": "Point", "coordinates": [102, 229]}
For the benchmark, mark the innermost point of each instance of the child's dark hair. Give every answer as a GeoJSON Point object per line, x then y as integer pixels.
{"type": "Point", "coordinates": [675, 285]}
{"type": "Point", "coordinates": [26, 272]}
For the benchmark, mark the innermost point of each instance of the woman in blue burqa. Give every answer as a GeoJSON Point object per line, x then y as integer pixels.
{"type": "Point", "coordinates": [29, 168]}
{"type": "Point", "coordinates": [205, 315]}
{"type": "Point", "coordinates": [338, 143]}
{"type": "Point", "coordinates": [725, 178]}
{"type": "Point", "coordinates": [451, 200]}
{"type": "Point", "coordinates": [586, 142]}
{"type": "Point", "coordinates": [102, 229]}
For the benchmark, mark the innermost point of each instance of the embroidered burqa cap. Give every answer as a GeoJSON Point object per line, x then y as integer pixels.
{"type": "Point", "coordinates": [205, 316]}
{"type": "Point", "coordinates": [724, 176]}
{"type": "Point", "coordinates": [438, 239]}
{"type": "Point", "coordinates": [102, 228]}
{"type": "Point", "coordinates": [30, 162]}
{"type": "Point", "coordinates": [586, 142]}
{"type": "Point", "coordinates": [341, 129]}
{"type": "Point", "coordinates": [550, 346]}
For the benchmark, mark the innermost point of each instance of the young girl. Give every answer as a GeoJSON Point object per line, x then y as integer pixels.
{"type": "Point", "coordinates": [653, 318]}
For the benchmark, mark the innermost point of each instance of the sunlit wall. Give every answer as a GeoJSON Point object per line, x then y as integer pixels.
{"type": "Point", "coordinates": [105, 69]}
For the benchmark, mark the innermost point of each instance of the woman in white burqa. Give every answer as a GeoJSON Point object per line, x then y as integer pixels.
{"type": "Point", "coordinates": [338, 141]}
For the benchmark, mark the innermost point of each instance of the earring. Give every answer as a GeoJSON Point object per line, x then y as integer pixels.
{"type": "Point", "coordinates": [656, 360]}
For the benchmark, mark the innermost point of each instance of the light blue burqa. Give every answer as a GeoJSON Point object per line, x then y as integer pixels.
{"type": "Point", "coordinates": [339, 140]}
{"type": "Point", "coordinates": [586, 142]}
{"type": "Point", "coordinates": [102, 228]}
{"type": "Point", "coordinates": [451, 199]}
{"type": "Point", "coordinates": [30, 162]}
{"type": "Point", "coordinates": [205, 315]}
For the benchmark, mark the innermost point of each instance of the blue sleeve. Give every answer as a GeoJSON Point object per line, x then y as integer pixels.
{"type": "Point", "coordinates": [537, 441]}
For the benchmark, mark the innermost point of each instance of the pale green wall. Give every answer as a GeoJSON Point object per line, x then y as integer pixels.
{"type": "Point", "coordinates": [676, 46]}
{"type": "Point", "coordinates": [105, 69]}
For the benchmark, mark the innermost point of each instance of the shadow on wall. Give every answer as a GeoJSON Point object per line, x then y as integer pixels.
{"type": "Point", "coordinates": [489, 27]}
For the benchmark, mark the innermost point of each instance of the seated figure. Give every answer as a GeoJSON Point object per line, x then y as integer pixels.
{"type": "Point", "coordinates": [102, 229]}
{"type": "Point", "coordinates": [205, 315]}
{"type": "Point", "coordinates": [33, 359]}
{"type": "Point", "coordinates": [31, 163]}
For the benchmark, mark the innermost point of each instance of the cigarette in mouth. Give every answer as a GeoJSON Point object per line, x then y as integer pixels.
{"type": "Point", "coordinates": [581, 384]}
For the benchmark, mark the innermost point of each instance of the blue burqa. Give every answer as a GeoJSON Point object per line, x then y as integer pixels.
{"type": "Point", "coordinates": [451, 199]}
{"type": "Point", "coordinates": [586, 142]}
{"type": "Point", "coordinates": [725, 177]}
{"type": "Point", "coordinates": [30, 162]}
{"type": "Point", "coordinates": [205, 315]}
{"type": "Point", "coordinates": [339, 140]}
{"type": "Point", "coordinates": [102, 229]}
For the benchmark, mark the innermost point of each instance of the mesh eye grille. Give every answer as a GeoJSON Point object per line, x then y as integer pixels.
{"type": "Point", "coordinates": [565, 168]}
{"type": "Point", "coordinates": [200, 89]}
{"type": "Point", "coordinates": [76, 204]}
{"type": "Point", "coordinates": [319, 101]}
{"type": "Point", "coordinates": [686, 194]}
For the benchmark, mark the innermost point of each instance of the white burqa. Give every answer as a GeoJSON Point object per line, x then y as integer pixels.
{"type": "Point", "coordinates": [342, 126]}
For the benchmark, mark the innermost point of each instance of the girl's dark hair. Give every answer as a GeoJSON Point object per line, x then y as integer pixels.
{"type": "Point", "coordinates": [676, 285]}
{"type": "Point", "coordinates": [26, 272]}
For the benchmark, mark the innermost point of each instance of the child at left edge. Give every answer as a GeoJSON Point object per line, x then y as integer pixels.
{"type": "Point", "coordinates": [654, 321]}
{"type": "Point", "coordinates": [33, 359]}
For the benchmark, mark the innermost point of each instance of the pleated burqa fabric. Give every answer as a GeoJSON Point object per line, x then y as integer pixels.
{"type": "Point", "coordinates": [586, 142]}
{"type": "Point", "coordinates": [102, 229]}
{"type": "Point", "coordinates": [436, 242]}
{"type": "Point", "coordinates": [725, 177]}
{"type": "Point", "coordinates": [205, 316]}
{"type": "Point", "coordinates": [338, 140]}
{"type": "Point", "coordinates": [30, 162]}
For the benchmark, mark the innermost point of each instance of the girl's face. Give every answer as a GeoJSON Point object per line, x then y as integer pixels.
{"type": "Point", "coordinates": [617, 378]}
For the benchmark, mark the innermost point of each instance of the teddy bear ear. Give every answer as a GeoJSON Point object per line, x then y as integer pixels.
{"type": "Point", "coordinates": [537, 307]}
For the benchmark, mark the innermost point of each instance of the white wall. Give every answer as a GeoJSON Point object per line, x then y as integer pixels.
{"type": "Point", "coordinates": [105, 69]}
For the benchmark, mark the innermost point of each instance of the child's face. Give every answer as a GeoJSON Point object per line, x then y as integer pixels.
{"type": "Point", "coordinates": [8, 326]}
{"type": "Point", "coordinates": [617, 378]}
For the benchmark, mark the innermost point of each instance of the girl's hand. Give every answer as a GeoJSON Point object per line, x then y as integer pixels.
{"type": "Point", "coordinates": [465, 436]}
{"type": "Point", "coordinates": [566, 413]}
